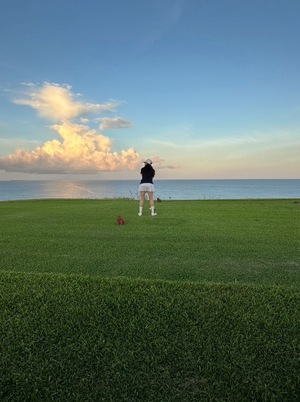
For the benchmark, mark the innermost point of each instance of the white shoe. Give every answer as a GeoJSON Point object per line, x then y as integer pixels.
{"type": "Point", "coordinates": [140, 214]}
{"type": "Point", "coordinates": [153, 211]}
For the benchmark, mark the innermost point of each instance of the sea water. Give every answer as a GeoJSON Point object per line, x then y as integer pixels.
{"type": "Point", "coordinates": [165, 189]}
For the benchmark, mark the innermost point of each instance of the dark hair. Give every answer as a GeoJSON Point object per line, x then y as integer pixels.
{"type": "Point", "coordinates": [148, 169]}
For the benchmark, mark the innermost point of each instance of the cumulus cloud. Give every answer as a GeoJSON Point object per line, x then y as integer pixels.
{"type": "Point", "coordinates": [81, 150]}
{"type": "Point", "coordinates": [113, 123]}
{"type": "Point", "coordinates": [59, 103]}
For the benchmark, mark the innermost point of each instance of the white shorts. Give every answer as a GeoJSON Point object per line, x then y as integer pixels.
{"type": "Point", "coordinates": [147, 187]}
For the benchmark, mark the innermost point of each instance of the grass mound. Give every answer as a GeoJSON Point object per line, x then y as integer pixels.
{"type": "Point", "coordinates": [76, 338]}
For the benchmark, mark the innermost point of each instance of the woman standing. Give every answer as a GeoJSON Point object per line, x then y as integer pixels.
{"type": "Point", "coordinates": [147, 187]}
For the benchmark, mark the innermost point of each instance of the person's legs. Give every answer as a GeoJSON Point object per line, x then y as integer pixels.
{"type": "Point", "coordinates": [150, 194]}
{"type": "Point", "coordinates": [142, 200]}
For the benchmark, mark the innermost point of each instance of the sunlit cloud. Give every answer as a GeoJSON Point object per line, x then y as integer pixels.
{"type": "Point", "coordinates": [160, 163]}
{"type": "Point", "coordinates": [59, 103]}
{"type": "Point", "coordinates": [114, 123]}
{"type": "Point", "coordinates": [81, 150]}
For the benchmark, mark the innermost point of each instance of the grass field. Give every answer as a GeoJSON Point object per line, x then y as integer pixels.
{"type": "Point", "coordinates": [200, 303]}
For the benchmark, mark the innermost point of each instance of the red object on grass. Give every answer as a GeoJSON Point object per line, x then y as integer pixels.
{"type": "Point", "coordinates": [120, 220]}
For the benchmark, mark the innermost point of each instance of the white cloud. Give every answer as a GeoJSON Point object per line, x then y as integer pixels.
{"type": "Point", "coordinates": [160, 163]}
{"type": "Point", "coordinates": [81, 151]}
{"type": "Point", "coordinates": [113, 123]}
{"type": "Point", "coordinates": [28, 84]}
{"type": "Point", "coordinates": [58, 103]}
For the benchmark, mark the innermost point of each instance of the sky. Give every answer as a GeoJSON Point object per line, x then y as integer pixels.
{"type": "Point", "coordinates": [208, 89]}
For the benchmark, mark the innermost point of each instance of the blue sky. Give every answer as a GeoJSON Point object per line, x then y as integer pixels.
{"type": "Point", "coordinates": [207, 89]}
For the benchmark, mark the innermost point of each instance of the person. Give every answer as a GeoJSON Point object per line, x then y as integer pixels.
{"type": "Point", "coordinates": [147, 187]}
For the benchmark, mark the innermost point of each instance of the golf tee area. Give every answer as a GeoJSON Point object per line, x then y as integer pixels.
{"type": "Point", "coordinates": [198, 303]}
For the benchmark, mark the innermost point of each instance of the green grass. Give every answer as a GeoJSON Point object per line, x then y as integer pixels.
{"type": "Point", "coordinates": [200, 303]}
{"type": "Point", "coordinates": [220, 241]}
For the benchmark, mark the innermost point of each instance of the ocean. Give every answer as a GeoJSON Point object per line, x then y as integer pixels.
{"type": "Point", "coordinates": [165, 189]}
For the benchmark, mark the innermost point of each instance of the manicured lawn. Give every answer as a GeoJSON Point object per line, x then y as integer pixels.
{"type": "Point", "coordinates": [67, 338]}
{"type": "Point", "coordinates": [200, 303]}
{"type": "Point", "coordinates": [220, 241]}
